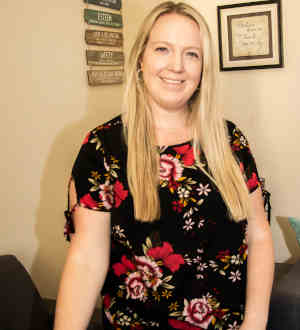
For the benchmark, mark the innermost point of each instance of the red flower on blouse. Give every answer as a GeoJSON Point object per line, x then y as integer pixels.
{"type": "Point", "coordinates": [177, 206]}
{"type": "Point", "coordinates": [252, 182]}
{"type": "Point", "coordinates": [106, 301]}
{"type": "Point", "coordinates": [124, 266]}
{"type": "Point", "coordinates": [177, 324]}
{"type": "Point", "coordinates": [165, 253]}
{"type": "Point", "coordinates": [119, 193]}
{"type": "Point", "coordinates": [112, 195]}
{"type": "Point", "coordinates": [187, 154]}
{"type": "Point", "coordinates": [88, 201]}
{"type": "Point", "coordinates": [224, 256]}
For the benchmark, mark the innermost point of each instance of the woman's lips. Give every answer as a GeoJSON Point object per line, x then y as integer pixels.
{"type": "Point", "coordinates": [172, 81]}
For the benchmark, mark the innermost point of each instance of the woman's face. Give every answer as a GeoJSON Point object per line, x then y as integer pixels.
{"type": "Point", "coordinates": [172, 62]}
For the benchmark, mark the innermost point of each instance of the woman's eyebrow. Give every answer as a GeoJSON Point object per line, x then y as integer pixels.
{"type": "Point", "coordinates": [171, 44]}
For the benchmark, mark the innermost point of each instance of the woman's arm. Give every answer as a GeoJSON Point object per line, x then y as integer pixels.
{"type": "Point", "coordinates": [260, 267]}
{"type": "Point", "coordinates": [85, 268]}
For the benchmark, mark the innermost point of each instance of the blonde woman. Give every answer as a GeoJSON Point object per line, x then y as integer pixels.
{"type": "Point", "coordinates": [166, 216]}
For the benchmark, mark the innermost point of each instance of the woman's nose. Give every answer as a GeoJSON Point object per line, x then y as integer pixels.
{"type": "Point", "coordinates": [176, 62]}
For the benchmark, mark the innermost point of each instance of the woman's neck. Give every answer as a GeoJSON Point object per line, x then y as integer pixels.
{"type": "Point", "coordinates": [172, 128]}
{"type": "Point", "coordinates": [168, 120]}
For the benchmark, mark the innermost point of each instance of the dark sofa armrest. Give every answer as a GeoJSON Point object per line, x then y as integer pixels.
{"type": "Point", "coordinates": [285, 301]}
{"type": "Point", "coordinates": [20, 303]}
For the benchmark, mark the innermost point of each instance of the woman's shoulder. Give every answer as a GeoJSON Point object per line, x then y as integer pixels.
{"type": "Point", "coordinates": [107, 136]}
{"type": "Point", "coordinates": [114, 124]}
{"type": "Point", "coordinates": [236, 137]}
{"type": "Point", "coordinates": [231, 127]}
{"type": "Point", "coordinates": [110, 131]}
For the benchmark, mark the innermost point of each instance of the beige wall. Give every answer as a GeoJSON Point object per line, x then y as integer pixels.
{"type": "Point", "coordinates": [46, 108]}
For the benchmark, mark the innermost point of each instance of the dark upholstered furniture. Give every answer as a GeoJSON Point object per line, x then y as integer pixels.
{"type": "Point", "coordinates": [285, 299]}
{"type": "Point", "coordinates": [22, 308]}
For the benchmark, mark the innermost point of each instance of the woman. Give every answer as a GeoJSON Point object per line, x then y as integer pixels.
{"type": "Point", "coordinates": [159, 199]}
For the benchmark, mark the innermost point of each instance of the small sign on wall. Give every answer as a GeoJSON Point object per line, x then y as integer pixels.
{"type": "Point", "coordinates": [101, 59]}
{"type": "Point", "coordinates": [102, 18]}
{"type": "Point", "coordinates": [104, 57]}
{"type": "Point", "coordinates": [105, 77]}
{"type": "Point", "coordinates": [112, 4]}
{"type": "Point", "coordinates": [104, 38]}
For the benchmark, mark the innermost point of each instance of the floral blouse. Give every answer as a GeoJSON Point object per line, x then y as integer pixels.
{"type": "Point", "coordinates": [187, 270]}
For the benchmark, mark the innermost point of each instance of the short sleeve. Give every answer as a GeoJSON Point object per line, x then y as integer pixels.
{"type": "Point", "coordinates": [91, 176]}
{"type": "Point", "coordinates": [241, 150]}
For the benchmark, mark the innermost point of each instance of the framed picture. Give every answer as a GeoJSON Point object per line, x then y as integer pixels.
{"type": "Point", "coordinates": [250, 35]}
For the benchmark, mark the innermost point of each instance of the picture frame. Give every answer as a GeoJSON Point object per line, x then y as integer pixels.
{"type": "Point", "coordinates": [250, 35]}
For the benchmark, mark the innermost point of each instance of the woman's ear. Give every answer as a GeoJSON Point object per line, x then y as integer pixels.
{"type": "Point", "coordinates": [141, 65]}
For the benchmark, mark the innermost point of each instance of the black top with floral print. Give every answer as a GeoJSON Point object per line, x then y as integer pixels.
{"type": "Point", "coordinates": [186, 270]}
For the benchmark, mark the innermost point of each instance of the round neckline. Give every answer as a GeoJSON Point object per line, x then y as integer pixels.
{"type": "Point", "coordinates": [175, 145]}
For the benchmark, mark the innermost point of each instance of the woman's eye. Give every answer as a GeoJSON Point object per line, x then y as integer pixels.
{"type": "Point", "coordinates": [193, 54]}
{"type": "Point", "coordinates": [161, 49]}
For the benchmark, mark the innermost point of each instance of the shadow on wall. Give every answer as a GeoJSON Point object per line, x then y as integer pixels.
{"type": "Point", "coordinates": [289, 238]}
{"type": "Point", "coordinates": [49, 260]}
{"type": "Point", "coordinates": [103, 103]}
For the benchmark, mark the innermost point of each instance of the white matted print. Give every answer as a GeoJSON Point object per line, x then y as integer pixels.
{"type": "Point", "coordinates": [250, 35]}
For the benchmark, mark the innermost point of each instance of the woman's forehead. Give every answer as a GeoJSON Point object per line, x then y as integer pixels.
{"type": "Point", "coordinates": [175, 28]}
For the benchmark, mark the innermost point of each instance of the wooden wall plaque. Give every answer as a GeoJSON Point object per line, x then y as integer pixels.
{"type": "Point", "coordinates": [104, 38]}
{"type": "Point", "coordinates": [104, 57]}
{"type": "Point", "coordinates": [112, 4]}
{"type": "Point", "coordinates": [98, 17]}
{"type": "Point", "coordinates": [105, 77]}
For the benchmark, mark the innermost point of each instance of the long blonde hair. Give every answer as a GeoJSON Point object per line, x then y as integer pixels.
{"type": "Point", "coordinates": [210, 134]}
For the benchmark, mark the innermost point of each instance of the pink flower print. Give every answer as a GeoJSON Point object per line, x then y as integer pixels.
{"type": "Point", "coordinates": [124, 266]}
{"type": "Point", "coordinates": [151, 273]}
{"type": "Point", "coordinates": [135, 287]}
{"type": "Point", "coordinates": [235, 276]}
{"type": "Point", "coordinates": [187, 154]}
{"type": "Point", "coordinates": [203, 190]}
{"type": "Point", "coordinates": [170, 168]}
{"type": "Point", "coordinates": [201, 267]}
{"type": "Point", "coordinates": [106, 166]}
{"type": "Point", "coordinates": [88, 201]}
{"type": "Point", "coordinates": [198, 312]}
{"type": "Point", "coordinates": [165, 253]}
{"type": "Point", "coordinates": [183, 193]}
{"type": "Point", "coordinates": [234, 326]}
{"type": "Point", "coordinates": [189, 223]}
{"type": "Point", "coordinates": [201, 223]}
{"type": "Point", "coordinates": [112, 195]}
{"type": "Point", "coordinates": [119, 193]}
{"type": "Point", "coordinates": [106, 195]}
